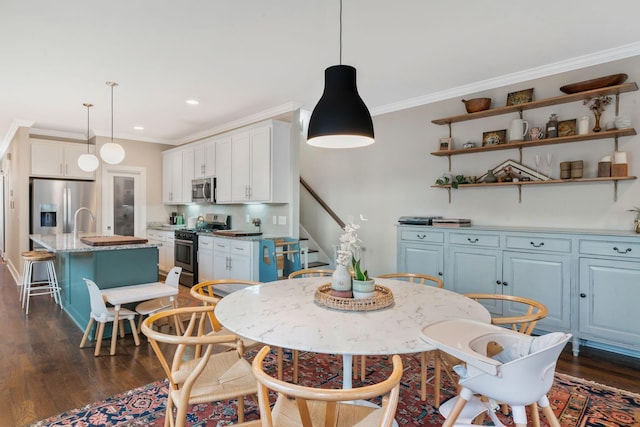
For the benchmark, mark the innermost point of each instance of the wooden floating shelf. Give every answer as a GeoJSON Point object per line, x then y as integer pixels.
{"type": "Point", "coordinates": [528, 144]}
{"type": "Point", "coordinates": [551, 181]}
{"type": "Point", "coordinates": [563, 99]}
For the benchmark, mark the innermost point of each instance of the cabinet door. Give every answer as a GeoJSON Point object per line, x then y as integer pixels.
{"type": "Point", "coordinates": [223, 170]}
{"type": "Point", "coordinates": [205, 160]}
{"type": "Point", "coordinates": [47, 159]}
{"type": "Point", "coordinates": [172, 178]}
{"type": "Point", "coordinates": [260, 159]}
{"type": "Point", "coordinates": [205, 258]}
{"type": "Point", "coordinates": [422, 259]}
{"type": "Point", "coordinates": [609, 295]}
{"type": "Point", "coordinates": [170, 254]}
{"type": "Point", "coordinates": [240, 267]}
{"type": "Point", "coordinates": [473, 270]}
{"type": "Point", "coordinates": [71, 153]}
{"type": "Point", "coordinates": [188, 160]}
{"type": "Point", "coordinates": [240, 167]}
{"type": "Point", "coordinates": [541, 277]}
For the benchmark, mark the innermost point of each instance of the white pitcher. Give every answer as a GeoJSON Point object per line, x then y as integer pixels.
{"type": "Point", "coordinates": [518, 130]}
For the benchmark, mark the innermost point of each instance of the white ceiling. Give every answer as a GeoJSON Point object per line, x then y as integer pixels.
{"type": "Point", "coordinates": [240, 58]}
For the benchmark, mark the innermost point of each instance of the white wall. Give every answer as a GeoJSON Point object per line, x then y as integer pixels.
{"type": "Point", "coordinates": [393, 177]}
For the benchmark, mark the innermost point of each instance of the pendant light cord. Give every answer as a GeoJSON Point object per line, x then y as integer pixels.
{"type": "Point", "coordinates": [340, 32]}
{"type": "Point", "coordinates": [88, 106]}
{"type": "Point", "coordinates": [112, 113]}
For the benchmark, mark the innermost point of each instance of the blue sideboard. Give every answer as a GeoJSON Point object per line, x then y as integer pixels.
{"type": "Point", "coordinates": [589, 280]}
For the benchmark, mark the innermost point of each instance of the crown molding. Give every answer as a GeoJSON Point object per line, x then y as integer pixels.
{"type": "Point", "coordinates": [57, 135]}
{"type": "Point", "coordinates": [13, 129]}
{"type": "Point", "coordinates": [601, 57]}
{"type": "Point", "coordinates": [245, 121]}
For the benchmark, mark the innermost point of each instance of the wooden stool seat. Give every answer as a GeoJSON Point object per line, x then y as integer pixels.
{"type": "Point", "coordinates": [31, 287]}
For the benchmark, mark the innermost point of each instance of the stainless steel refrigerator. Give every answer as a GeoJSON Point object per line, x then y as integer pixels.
{"type": "Point", "coordinates": [54, 202]}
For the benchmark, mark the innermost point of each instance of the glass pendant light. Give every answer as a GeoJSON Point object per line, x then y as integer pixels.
{"type": "Point", "coordinates": [112, 152]}
{"type": "Point", "coordinates": [88, 162]}
{"type": "Point", "coordinates": [340, 119]}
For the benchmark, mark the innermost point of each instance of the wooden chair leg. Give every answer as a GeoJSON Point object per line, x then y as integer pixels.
{"type": "Point", "coordinates": [535, 416]}
{"type": "Point", "coordinates": [99, 339]}
{"type": "Point", "coordinates": [121, 326]}
{"type": "Point", "coordinates": [455, 412]}
{"type": "Point", "coordinates": [294, 356]}
{"type": "Point", "coordinates": [548, 412]}
{"type": "Point", "coordinates": [134, 331]}
{"type": "Point", "coordinates": [87, 331]}
{"type": "Point", "coordinates": [437, 378]}
{"type": "Point", "coordinates": [423, 375]}
{"type": "Point", "coordinates": [240, 409]}
{"type": "Point", "coordinates": [279, 358]}
{"type": "Point", "coordinates": [363, 367]}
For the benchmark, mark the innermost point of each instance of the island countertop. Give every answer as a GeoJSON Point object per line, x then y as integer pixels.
{"type": "Point", "coordinates": [67, 243]}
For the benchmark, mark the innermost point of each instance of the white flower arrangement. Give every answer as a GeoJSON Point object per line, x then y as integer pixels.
{"type": "Point", "coordinates": [349, 245]}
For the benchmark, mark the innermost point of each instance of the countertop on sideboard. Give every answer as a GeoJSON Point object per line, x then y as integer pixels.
{"type": "Point", "coordinates": [520, 229]}
{"type": "Point", "coordinates": [67, 243]}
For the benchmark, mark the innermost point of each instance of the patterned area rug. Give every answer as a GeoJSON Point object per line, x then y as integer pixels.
{"type": "Point", "coordinates": [576, 402]}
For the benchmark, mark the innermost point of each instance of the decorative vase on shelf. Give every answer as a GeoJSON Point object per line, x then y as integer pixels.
{"type": "Point", "coordinates": [597, 127]}
{"type": "Point", "coordinates": [490, 177]}
{"type": "Point", "coordinates": [341, 282]}
{"type": "Point", "coordinates": [636, 225]}
{"type": "Point", "coordinates": [364, 288]}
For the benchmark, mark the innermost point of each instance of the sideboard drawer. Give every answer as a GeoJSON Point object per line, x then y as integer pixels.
{"type": "Point", "coordinates": [612, 248]}
{"type": "Point", "coordinates": [539, 243]}
{"type": "Point", "coordinates": [422, 236]}
{"type": "Point", "coordinates": [475, 239]}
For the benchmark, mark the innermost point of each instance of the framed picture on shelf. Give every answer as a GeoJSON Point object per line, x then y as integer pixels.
{"type": "Point", "coordinates": [520, 97]}
{"type": "Point", "coordinates": [518, 169]}
{"type": "Point", "coordinates": [446, 144]}
{"type": "Point", "coordinates": [494, 137]}
{"type": "Point", "coordinates": [567, 127]}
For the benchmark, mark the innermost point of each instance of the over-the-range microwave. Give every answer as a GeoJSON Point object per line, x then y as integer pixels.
{"type": "Point", "coordinates": [203, 190]}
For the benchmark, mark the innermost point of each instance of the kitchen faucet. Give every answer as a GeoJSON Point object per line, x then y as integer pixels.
{"type": "Point", "coordinates": [75, 220]}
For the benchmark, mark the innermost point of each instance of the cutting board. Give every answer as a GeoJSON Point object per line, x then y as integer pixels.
{"type": "Point", "coordinates": [112, 240]}
{"type": "Point", "coordinates": [237, 233]}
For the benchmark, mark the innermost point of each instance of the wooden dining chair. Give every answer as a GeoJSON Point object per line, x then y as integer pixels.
{"type": "Point", "coordinates": [298, 405]}
{"type": "Point", "coordinates": [423, 279]}
{"type": "Point", "coordinates": [532, 311]}
{"type": "Point", "coordinates": [295, 354]}
{"type": "Point", "coordinates": [196, 372]}
{"type": "Point", "coordinates": [211, 291]}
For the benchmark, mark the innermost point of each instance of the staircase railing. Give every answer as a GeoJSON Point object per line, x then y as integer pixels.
{"type": "Point", "coordinates": [322, 203]}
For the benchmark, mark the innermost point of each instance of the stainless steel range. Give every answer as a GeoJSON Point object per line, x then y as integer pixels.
{"type": "Point", "coordinates": [186, 245]}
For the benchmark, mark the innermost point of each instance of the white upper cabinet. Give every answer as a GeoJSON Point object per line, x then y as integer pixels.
{"type": "Point", "coordinates": [223, 170]}
{"type": "Point", "coordinates": [58, 159]}
{"type": "Point", "coordinates": [172, 185]}
{"type": "Point", "coordinates": [204, 159]}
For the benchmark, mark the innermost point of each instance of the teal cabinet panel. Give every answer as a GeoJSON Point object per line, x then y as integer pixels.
{"type": "Point", "coordinates": [545, 278]}
{"type": "Point", "coordinates": [475, 270]}
{"type": "Point", "coordinates": [608, 301]}
{"type": "Point", "coordinates": [421, 259]}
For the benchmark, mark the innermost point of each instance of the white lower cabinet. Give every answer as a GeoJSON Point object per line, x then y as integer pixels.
{"type": "Point", "coordinates": [166, 257]}
{"type": "Point", "coordinates": [235, 259]}
{"type": "Point", "coordinates": [205, 258]}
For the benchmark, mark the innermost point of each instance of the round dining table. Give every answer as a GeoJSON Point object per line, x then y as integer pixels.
{"type": "Point", "coordinates": [285, 314]}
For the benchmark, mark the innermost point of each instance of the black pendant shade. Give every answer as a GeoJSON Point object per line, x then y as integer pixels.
{"type": "Point", "coordinates": [340, 119]}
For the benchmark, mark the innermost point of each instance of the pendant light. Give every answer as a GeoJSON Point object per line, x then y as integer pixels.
{"type": "Point", "coordinates": [340, 119]}
{"type": "Point", "coordinates": [88, 162]}
{"type": "Point", "coordinates": [112, 152]}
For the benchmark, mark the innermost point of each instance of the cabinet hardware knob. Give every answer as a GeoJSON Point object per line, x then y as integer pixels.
{"type": "Point", "coordinates": [583, 295]}
{"type": "Point", "coordinates": [538, 245]}
{"type": "Point", "coordinates": [620, 251]}
{"type": "Point", "coordinates": [498, 282]}
{"type": "Point", "coordinates": [505, 284]}
{"type": "Point", "coordinates": [421, 236]}
{"type": "Point", "coordinates": [472, 241]}
{"type": "Point", "coordinates": [439, 273]}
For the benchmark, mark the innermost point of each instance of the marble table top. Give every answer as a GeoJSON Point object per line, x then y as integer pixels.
{"type": "Point", "coordinates": [284, 314]}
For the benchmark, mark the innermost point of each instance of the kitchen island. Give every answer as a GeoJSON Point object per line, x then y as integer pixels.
{"type": "Point", "coordinates": [108, 266]}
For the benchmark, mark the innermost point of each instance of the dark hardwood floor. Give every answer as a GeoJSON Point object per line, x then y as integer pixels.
{"type": "Point", "coordinates": [44, 372]}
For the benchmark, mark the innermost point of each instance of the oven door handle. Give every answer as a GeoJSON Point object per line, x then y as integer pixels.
{"type": "Point", "coordinates": [186, 242]}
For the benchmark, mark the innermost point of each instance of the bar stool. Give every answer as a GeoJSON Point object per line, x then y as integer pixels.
{"type": "Point", "coordinates": [32, 287]}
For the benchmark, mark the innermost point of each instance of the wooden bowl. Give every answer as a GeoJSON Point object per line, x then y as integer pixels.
{"type": "Point", "coordinates": [600, 82]}
{"type": "Point", "coordinates": [477, 104]}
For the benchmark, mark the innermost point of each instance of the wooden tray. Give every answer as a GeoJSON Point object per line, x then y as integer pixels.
{"type": "Point", "coordinates": [383, 298]}
{"type": "Point", "coordinates": [112, 240]}
{"type": "Point", "coordinates": [600, 82]}
{"type": "Point", "coordinates": [237, 233]}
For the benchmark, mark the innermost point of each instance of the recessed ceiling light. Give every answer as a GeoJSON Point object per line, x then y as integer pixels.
{"type": "Point", "coordinates": [138, 127]}
{"type": "Point", "coordinates": [192, 102]}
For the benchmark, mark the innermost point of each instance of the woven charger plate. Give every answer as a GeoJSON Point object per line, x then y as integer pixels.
{"type": "Point", "coordinates": [383, 298]}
